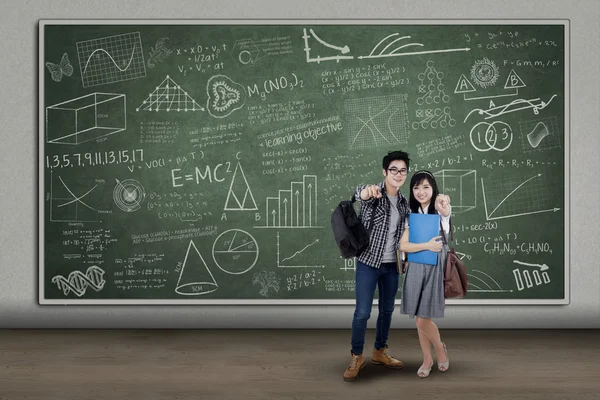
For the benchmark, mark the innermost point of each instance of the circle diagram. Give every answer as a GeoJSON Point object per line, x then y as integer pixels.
{"type": "Point", "coordinates": [235, 251]}
{"type": "Point", "coordinates": [128, 195]}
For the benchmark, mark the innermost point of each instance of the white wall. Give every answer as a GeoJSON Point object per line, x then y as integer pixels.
{"type": "Point", "coordinates": [18, 165]}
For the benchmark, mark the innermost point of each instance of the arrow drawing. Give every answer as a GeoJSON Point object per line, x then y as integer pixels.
{"type": "Point", "coordinates": [543, 267]}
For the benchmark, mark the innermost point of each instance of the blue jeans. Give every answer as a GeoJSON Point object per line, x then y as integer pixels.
{"type": "Point", "coordinates": [385, 278]}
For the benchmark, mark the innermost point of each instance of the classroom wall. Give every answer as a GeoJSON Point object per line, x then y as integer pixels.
{"type": "Point", "coordinates": [19, 162]}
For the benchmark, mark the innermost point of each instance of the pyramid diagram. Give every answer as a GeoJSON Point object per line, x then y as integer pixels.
{"type": "Point", "coordinates": [240, 196]}
{"type": "Point", "coordinates": [169, 96]}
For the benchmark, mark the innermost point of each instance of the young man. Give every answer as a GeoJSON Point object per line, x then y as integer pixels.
{"type": "Point", "coordinates": [377, 266]}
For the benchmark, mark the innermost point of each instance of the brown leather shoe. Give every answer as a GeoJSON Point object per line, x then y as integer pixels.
{"type": "Point", "coordinates": [356, 364]}
{"type": "Point", "coordinates": [382, 357]}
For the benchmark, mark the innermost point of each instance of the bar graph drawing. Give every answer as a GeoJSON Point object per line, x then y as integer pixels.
{"type": "Point", "coordinates": [295, 207]}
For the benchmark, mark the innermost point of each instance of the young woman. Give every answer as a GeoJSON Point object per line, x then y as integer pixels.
{"type": "Point", "coordinates": [423, 287]}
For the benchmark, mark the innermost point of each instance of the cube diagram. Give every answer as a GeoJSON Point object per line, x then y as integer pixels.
{"type": "Point", "coordinates": [85, 118]}
{"type": "Point", "coordinates": [460, 185]}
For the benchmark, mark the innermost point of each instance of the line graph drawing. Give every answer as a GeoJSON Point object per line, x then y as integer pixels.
{"type": "Point", "coordinates": [295, 208]}
{"type": "Point", "coordinates": [239, 196]}
{"type": "Point", "coordinates": [484, 283]}
{"type": "Point", "coordinates": [497, 111]}
{"type": "Point", "coordinates": [167, 96]}
{"type": "Point", "coordinates": [235, 251]}
{"type": "Point", "coordinates": [292, 264]}
{"type": "Point", "coordinates": [66, 206]}
{"type": "Point", "coordinates": [395, 53]}
{"type": "Point", "coordinates": [195, 277]}
{"type": "Point", "coordinates": [111, 59]}
{"type": "Point", "coordinates": [307, 49]}
{"type": "Point", "coordinates": [511, 86]}
{"type": "Point", "coordinates": [377, 121]}
{"type": "Point", "coordinates": [540, 134]}
{"type": "Point", "coordinates": [525, 275]}
{"type": "Point", "coordinates": [527, 197]}
{"type": "Point", "coordinates": [78, 282]}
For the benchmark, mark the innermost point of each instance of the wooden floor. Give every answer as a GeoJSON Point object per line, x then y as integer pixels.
{"type": "Point", "coordinates": [268, 364]}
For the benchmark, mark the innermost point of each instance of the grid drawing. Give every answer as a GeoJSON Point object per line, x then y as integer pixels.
{"type": "Point", "coordinates": [169, 96]}
{"type": "Point", "coordinates": [540, 134]}
{"type": "Point", "coordinates": [111, 59]}
{"type": "Point", "coordinates": [516, 195]}
{"type": "Point", "coordinates": [377, 121]}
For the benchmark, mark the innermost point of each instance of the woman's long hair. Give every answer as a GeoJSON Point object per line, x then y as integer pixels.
{"type": "Point", "coordinates": [417, 179]}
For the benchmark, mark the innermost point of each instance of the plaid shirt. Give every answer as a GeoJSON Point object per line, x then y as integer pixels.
{"type": "Point", "coordinates": [373, 254]}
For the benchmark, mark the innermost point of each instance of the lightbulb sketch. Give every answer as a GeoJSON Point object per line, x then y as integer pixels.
{"type": "Point", "coordinates": [195, 278]}
{"type": "Point", "coordinates": [235, 251]}
{"type": "Point", "coordinates": [509, 197]}
{"type": "Point", "coordinates": [111, 59]}
{"type": "Point", "coordinates": [78, 282]}
{"type": "Point", "coordinates": [128, 195]}
{"type": "Point", "coordinates": [66, 206]}
{"type": "Point", "coordinates": [167, 96]}
{"type": "Point", "coordinates": [377, 121]}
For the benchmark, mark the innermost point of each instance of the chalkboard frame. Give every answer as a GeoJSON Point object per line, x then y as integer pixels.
{"type": "Point", "coordinates": [42, 300]}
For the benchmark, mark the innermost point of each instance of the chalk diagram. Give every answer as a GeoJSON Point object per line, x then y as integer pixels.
{"type": "Point", "coordinates": [433, 91]}
{"type": "Point", "coordinates": [235, 251]}
{"type": "Point", "coordinates": [86, 118]}
{"type": "Point", "coordinates": [511, 87]}
{"type": "Point", "coordinates": [540, 275]}
{"type": "Point", "coordinates": [246, 52]}
{"type": "Point", "coordinates": [195, 278]}
{"type": "Point", "coordinates": [526, 197]}
{"type": "Point", "coordinates": [485, 72]}
{"type": "Point", "coordinates": [516, 105]}
{"type": "Point", "coordinates": [63, 68]}
{"type": "Point", "coordinates": [289, 262]}
{"type": "Point", "coordinates": [295, 208]}
{"type": "Point", "coordinates": [129, 195]}
{"type": "Point", "coordinates": [480, 282]}
{"type": "Point", "coordinates": [540, 134]}
{"type": "Point", "coordinates": [377, 51]}
{"type": "Point", "coordinates": [495, 136]}
{"type": "Point", "coordinates": [340, 50]}
{"type": "Point", "coordinates": [159, 52]}
{"type": "Point", "coordinates": [66, 206]}
{"type": "Point", "coordinates": [377, 121]}
{"type": "Point", "coordinates": [224, 96]}
{"type": "Point", "coordinates": [267, 280]}
{"type": "Point", "coordinates": [239, 196]}
{"type": "Point", "coordinates": [111, 59]}
{"type": "Point", "coordinates": [168, 96]}
{"type": "Point", "coordinates": [461, 185]}
{"type": "Point", "coordinates": [78, 282]}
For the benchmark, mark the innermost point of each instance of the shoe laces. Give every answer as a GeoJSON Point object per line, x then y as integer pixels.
{"type": "Point", "coordinates": [384, 351]}
{"type": "Point", "coordinates": [354, 362]}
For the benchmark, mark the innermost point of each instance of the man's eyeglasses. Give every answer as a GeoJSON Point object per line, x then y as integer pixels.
{"type": "Point", "coordinates": [395, 171]}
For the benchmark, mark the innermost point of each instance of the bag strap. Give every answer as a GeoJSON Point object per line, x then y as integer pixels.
{"type": "Point", "coordinates": [444, 233]}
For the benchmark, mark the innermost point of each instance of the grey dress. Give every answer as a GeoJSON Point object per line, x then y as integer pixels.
{"type": "Point", "coordinates": [423, 288]}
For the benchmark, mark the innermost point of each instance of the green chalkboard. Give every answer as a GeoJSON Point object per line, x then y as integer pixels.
{"type": "Point", "coordinates": [198, 162]}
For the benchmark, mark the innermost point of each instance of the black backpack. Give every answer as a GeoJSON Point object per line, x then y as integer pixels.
{"type": "Point", "coordinates": [349, 233]}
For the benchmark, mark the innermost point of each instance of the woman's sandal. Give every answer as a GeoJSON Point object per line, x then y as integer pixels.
{"type": "Point", "coordinates": [424, 372]}
{"type": "Point", "coordinates": [443, 366]}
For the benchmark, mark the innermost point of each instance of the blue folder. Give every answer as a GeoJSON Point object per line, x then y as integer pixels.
{"type": "Point", "coordinates": [423, 227]}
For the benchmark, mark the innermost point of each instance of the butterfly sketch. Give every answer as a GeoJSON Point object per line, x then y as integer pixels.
{"type": "Point", "coordinates": [58, 70]}
{"type": "Point", "coordinates": [159, 52]}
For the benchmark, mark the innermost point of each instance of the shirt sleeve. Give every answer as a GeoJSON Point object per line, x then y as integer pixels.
{"type": "Point", "coordinates": [446, 220]}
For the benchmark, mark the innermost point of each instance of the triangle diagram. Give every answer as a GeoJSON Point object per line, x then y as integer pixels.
{"type": "Point", "coordinates": [169, 96]}
{"type": "Point", "coordinates": [240, 196]}
{"type": "Point", "coordinates": [513, 81]}
{"type": "Point", "coordinates": [463, 85]}
{"type": "Point", "coordinates": [195, 278]}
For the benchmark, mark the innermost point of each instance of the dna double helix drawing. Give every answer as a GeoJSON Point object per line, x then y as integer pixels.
{"type": "Point", "coordinates": [78, 282]}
